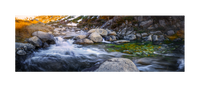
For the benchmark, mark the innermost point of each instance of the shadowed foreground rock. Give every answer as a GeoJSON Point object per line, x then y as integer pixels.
{"type": "Point", "coordinates": [117, 65]}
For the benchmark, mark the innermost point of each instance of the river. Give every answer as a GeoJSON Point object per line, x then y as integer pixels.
{"type": "Point", "coordinates": [66, 56]}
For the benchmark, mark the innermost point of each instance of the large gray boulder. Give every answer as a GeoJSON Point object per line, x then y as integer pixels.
{"type": "Point", "coordinates": [35, 41]}
{"type": "Point", "coordinates": [96, 37]}
{"type": "Point", "coordinates": [117, 65]}
{"type": "Point", "coordinates": [44, 36]}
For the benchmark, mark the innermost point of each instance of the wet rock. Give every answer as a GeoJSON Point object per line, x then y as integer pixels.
{"type": "Point", "coordinates": [130, 37]}
{"type": "Point", "coordinates": [108, 38]}
{"type": "Point", "coordinates": [145, 24]}
{"type": "Point", "coordinates": [45, 45]}
{"type": "Point", "coordinates": [68, 37]}
{"type": "Point", "coordinates": [112, 33]}
{"type": "Point", "coordinates": [158, 38]}
{"type": "Point", "coordinates": [21, 52]}
{"type": "Point", "coordinates": [24, 46]}
{"type": "Point", "coordinates": [83, 41]}
{"type": "Point", "coordinates": [45, 37]}
{"type": "Point", "coordinates": [138, 35]}
{"type": "Point", "coordinates": [113, 38]}
{"type": "Point", "coordinates": [144, 34]}
{"type": "Point", "coordinates": [145, 61]}
{"type": "Point", "coordinates": [170, 32]}
{"type": "Point", "coordinates": [149, 38]}
{"type": "Point", "coordinates": [117, 65]}
{"type": "Point", "coordinates": [96, 37]}
{"type": "Point", "coordinates": [121, 41]}
{"type": "Point", "coordinates": [35, 41]}
{"type": "Point", "coordinates": [155, 32]}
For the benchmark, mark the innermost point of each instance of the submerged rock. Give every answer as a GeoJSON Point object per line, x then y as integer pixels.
{"type": "Point", "coordinates": [117, 65]}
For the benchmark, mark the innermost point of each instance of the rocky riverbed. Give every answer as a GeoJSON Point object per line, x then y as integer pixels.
{"type": "Point", "coordinates": [102, 49]}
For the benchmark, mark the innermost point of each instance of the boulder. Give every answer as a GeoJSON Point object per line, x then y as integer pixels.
{"type": "Point", "coordinates": [158, 38]}
{"type": "Point", "coordinates": [35, 41]}
{"type": "Point", "coordinates": [147, 23]}
{"type": "Point", "coordinates": [102, 32]}
{"type": "Point", "coordinates": [68, 37]}
{"type": "Point", "coordinates": [92, 31]}
{"type": "Point", "coordinates": [108, 38]}
{"type": "Point", "coordinates": [96, 37]}
{"type": "Point", "coordinates": [83, 41]}
{"type": "Point", "coordinates": [155, 32]}
{"type": "Point", "coordinates": [24, 46]}
{"type": "Point", "coordinates": [121, 41]}
{"type": "Point", "coordinates": [130, 37]}
{"type": "Point", "coordinates": [144, 34]}
{"type": "Point", "coordinates": [113, 38]}
{"type": "Point", "coordinates": [45, 37]}
{"type": "Point", "coordinates": [170, 32]}
{"type": "Point", "coordinates": [21, 52]}
{"type": "Point", "coordinates": [117, 65]}
{"type": "Point", "coordinates": [80, 37]}
{"type": "Point", "coordinates": [112, 33]}
{"type": "Point", "coordinates": [149, 38]}
{"type": "Point", "coordinates": [138, 35]}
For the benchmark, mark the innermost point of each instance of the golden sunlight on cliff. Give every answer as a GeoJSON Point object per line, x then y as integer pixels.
{"type": "Point", "coordinates": [20, 20]}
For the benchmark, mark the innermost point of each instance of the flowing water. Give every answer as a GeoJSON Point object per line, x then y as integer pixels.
{"type": "Point", "coordinates": [66, 56]}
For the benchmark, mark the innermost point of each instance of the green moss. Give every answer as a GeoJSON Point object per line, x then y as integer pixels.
{"type": "Point", "coordinates": [136, 49]}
